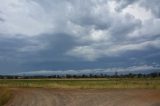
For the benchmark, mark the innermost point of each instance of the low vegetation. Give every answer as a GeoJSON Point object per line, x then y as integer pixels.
{"type": "Point", "coordinates": [84, 83]}
{"type": "Point", "coordinates": [5, 95]}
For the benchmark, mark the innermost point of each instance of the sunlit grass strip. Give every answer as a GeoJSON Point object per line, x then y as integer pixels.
{"type": "Point", "coordinates": [5, 95]}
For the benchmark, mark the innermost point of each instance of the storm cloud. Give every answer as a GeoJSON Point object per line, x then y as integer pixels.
{"type": "Point", "coordinates": [78, 34]}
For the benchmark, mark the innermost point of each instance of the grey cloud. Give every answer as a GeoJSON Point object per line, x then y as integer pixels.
{"type": "Point", "coordinates": [58, 44]}
{"type": "Point", "coordinates": [87, 14]}
{"type": "Point", "coordinates": [24, 18]}
{"type": "Point", "coordinates": [93, 52]}
{"type": "Point", "coordinates": [27, 53]}
{"type": "Point", "coordinates": [123, 26]}
{"type": "Point", "coordinates": [124, 3]}
{"type": "Point", "coordinates": [109, 71]}
{"type": "Point", "coordinates": [49, 34]}
{"type": "Point", "coordinates": [1, 19]}
{"type": "Point", "coordinates": [153, 5]}
{"type": "Point", "coordinates": [10, 51]}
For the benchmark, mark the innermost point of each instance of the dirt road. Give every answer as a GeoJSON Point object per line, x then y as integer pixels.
{"type": "Point", "coordinates": [61, 97]}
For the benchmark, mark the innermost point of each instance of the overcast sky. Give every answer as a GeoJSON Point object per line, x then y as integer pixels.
{"type": "Point", "coordinates": [49, 35]}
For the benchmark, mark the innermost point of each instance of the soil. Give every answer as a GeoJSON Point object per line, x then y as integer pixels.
{"type": "Point", "coordinates": [86, 97]}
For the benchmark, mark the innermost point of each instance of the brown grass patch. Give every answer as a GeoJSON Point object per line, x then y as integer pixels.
{"type": "Point", "coordinates": [5, 95]}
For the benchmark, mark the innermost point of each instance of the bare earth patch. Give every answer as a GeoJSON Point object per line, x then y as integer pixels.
{"type": "Point", "coordinates": [92, 97]}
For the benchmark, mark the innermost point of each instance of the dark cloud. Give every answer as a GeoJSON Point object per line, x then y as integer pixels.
{"type": "Point", "coordinates": [124, 26]}
{"type": "Point", "coordinates": [78, 34]}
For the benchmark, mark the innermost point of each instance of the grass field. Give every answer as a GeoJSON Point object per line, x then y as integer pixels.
{"type": "Point", "coordinates": [84, 83]}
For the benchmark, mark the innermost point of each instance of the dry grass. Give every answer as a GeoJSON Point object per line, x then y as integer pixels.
{"type": "Point", "coordinates": [84, 83]}
{"type": "Point", "coordinates": [5, 95]}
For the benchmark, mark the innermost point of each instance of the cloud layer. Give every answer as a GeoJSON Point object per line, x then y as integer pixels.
{"type": "Point", "coordinates": [108, 71]}
{"type": "Point", "coordinates": [69, 34]}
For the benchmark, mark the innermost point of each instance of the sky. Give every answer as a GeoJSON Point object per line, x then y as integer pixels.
{"type": "Point", "coordinates": [79, 36]}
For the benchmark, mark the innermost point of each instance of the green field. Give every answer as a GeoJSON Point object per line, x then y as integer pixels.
{"type": "Point", "coordinates": [84, 83]}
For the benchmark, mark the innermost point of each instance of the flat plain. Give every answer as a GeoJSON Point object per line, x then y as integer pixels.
{"type": "Point", "coordinates": [81, 92]}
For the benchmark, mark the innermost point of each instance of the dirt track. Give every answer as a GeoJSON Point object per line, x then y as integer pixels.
{"type": "Point", "coordinates": [61, 97]}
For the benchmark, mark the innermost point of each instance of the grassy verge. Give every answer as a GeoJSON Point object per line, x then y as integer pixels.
{"type": "Point", "coordinates": [85, 83]}
{"type": "Point", "coordinates": [5, 95]}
